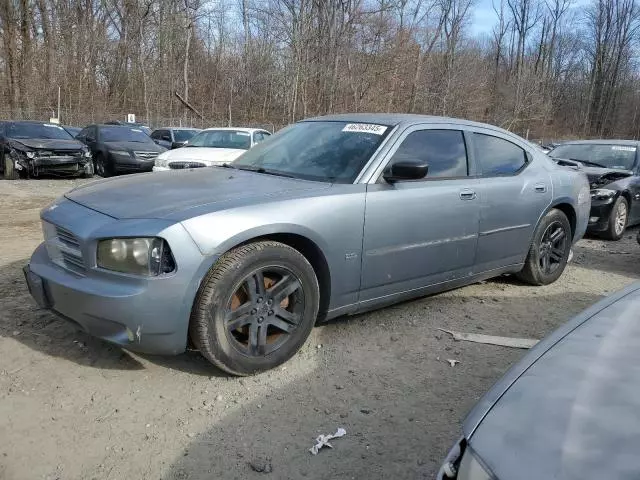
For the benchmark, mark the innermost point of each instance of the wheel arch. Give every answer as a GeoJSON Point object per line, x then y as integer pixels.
{"type": "Point", "coordinates": [304, 242]}
{"type": "Point", "coordinates": [565, 206]}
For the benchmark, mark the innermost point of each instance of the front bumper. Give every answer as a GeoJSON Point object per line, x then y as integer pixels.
{"type": "Point", "coordinates": [599, 215]}
{"type": "Point", "coordinates": [143, 314]}
{"type": "Point", "coordinates": [63, 166]}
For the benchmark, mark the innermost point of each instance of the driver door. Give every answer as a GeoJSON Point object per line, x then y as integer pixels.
{"type": "Point", "coordinates": [421, 232]}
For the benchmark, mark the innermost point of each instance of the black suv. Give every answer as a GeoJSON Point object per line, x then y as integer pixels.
{"type": "Point", "coordinates": [120, 149]}
{"type": "Point", "coordinates": [613, 168]}
{"type": "Point", "coordinates": [32, 149]}
{"type": "Point", "coordinates": [173, 137]}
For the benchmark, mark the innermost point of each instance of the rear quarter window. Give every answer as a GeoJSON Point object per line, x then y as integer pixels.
{"type": "Point", "coordinates": [498, 156]}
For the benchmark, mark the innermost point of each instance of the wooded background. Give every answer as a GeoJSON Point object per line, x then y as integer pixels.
{"type": "Point", "coordinates": [549, 67]}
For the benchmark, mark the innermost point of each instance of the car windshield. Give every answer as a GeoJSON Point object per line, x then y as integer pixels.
{"type": "Point", "coordinates": [621, 157]}
{"type": "Point", "coordinates": [184, 135]}
{"type": "Point", "coordinates": [36, 130]}
{"type": "Point", "coordinates": [236, 139]}
{"type": "Point", "coordinates": [123, 134]}
{"type": "Point", "coordinates": [323, 151]}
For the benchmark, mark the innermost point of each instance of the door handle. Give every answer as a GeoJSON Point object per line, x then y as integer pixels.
{"type": "Point", "coordinates": [467, 194]}
{"type": "Point", "coordinates": [540, 188]}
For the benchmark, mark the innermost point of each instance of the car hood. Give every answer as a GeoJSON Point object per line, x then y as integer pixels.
{"type": "Point", "coordinates": [569, 409]}
{"type": "Point", "coordinates": [160, 194]}
{"type": "Point", "coordinates": [599, 177]}
{"type": "Point", "coordinates": [48, 143]}
{"type": "Point", "coordinates": [209, 156]}
{"type": "Point", "coordinates": [135, 146]}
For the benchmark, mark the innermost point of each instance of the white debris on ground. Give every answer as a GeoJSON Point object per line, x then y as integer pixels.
{"type": "Point", "coordinates": [323, 440]}
{"type": "Point", "coordinates": [491, 339]}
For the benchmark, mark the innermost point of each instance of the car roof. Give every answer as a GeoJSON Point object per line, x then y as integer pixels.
{"type": "Point", "coordinates": [405, 119]}
{"type": "Point", "coordinates": [240, 129]}
{"type": "Point", "coordinates": [633, 143]}
{"type": "Point", "coordinates": [33, 122]}
{"type": "Point", "coordinates": [176, 128]}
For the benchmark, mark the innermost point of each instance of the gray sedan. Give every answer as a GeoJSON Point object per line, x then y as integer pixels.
{"type": "Point", "coordinates": [567, 410]}
{"type": "Point", "coordinates": [330, 216]}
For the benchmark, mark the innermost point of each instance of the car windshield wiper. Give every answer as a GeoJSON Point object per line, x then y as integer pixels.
{"type": "Point", "coordinates": [587, 162]}
{"type": "Point", "coordinates": [263, 170]}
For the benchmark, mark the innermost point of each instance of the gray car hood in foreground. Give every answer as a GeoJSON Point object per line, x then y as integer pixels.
{"type": "Point", "coordinates": [158, 195]}
{"type": "Point", "coordinates": [570, 409]}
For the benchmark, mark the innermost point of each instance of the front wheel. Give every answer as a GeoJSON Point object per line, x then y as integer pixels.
{"type": "Point", "coordinates": [549, 251]}
{"type": "Point", "coordinates": [10, 172]}
{"type": "Point", "coordinates": [617, 220]}
{"type": "Point", "coordinates": [102, 167]}
{"type": "Point", "coordinates": [255, 308]}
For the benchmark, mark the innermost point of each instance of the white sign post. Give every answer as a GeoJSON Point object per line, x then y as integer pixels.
{"type": "Point", "coordinates": [131, 118]}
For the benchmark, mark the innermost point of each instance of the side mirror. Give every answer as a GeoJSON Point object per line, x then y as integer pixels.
{"type": "Point", "coordinates": [401, 171]}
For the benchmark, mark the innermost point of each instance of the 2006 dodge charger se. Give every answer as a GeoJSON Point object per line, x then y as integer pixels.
{"type": "Point", "coordinates": [330, 216]}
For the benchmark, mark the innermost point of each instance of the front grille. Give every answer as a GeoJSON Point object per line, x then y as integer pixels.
{"type": "Point", "coordinates": [60, 154]}
{"type": "Point", "coordinates": [181, 165]}
{"type": "Point", "coordinates": [146, 155]}
{"type": "Point", "coordinates": [63, 248]}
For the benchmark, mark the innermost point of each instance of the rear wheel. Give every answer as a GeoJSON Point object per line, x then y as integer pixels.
{"type": "Point", "coordinates": [255, 308]}
{"type": "Point", "coordinates": [617, 220]}
{"type": "Point", "coordinates": [549, 251]}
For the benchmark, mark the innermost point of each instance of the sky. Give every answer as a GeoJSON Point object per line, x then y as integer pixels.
{"type": "Point", "coordinates": [484, 17]}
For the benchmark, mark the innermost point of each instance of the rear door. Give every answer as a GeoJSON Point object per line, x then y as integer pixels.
{"type": "Point", "coordinates": [421, 232]}
{"type": "Point", "coordinates": [514, 191]}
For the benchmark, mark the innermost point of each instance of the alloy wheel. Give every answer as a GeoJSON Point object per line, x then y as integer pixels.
{"type": "Point", "coordinates": [552, 248]}
{"type": "Point", "coordinates": [266, 307]}
{"type": "Point", "coordinates": [100, 166]}
{"type": "Point", "coordinates": [620, 222]}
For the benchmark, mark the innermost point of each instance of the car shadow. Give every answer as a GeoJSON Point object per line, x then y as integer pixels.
{"type": "Point", "coordinates": [383, 376]}
{"type": "Point", "coordinates": [22, 320]}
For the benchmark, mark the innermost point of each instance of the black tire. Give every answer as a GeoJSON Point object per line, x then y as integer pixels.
{"type": "Point", "coordinates": [618, 220]}
{"type": "Point", "coordinates": [102, 166]}
{"type": "Point", "coordinates": [236, 338]}
{"type": "Point", "coordinates": [10, 172]}
{"type": "Point", "coordinates": [549, 251]}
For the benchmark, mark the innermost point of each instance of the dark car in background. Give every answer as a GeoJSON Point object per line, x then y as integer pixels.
{"type": "Point", "coordinates": [32, 149]}
{"type": "Point", "coordinates": [567, 410]}
{"type": "Point", "coordinates": [73, 131]}
{"type": "Point", "coordinates": [120, 149]}
{"type": "Point", "coordinates": [173, 137]}
{"type": "Point", "coordinates": [139, 125]}
{"type": "Point", "coordinates": [613, 168]}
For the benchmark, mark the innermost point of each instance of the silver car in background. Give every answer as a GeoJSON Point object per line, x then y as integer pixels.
{"type": "Point", "coordinates": [330, 216]}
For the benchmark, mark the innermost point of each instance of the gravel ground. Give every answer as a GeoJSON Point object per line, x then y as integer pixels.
{"type": "Point", "coordinates": [73, 407]}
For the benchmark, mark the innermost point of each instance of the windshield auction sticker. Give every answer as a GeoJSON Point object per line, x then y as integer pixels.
{"type": "Point", "coordinates": [365, 128]}
{"type": "Point", "coordinates": [623, 149]}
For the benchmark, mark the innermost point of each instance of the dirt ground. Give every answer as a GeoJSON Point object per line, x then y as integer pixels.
{"type": "Point", "coordinates": [73, 407]}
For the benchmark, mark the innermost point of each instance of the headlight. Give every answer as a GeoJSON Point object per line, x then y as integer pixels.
{"type": "Point", "coordinates": [602, 194]}
{"type": "Point", "coordinates": [139, 256]}
{"type": "Point", "coordinates": [30, 154]}
{"type": "Point", "coordinates": [87, 154]}
{"type": "Point", "coordinates": [471, 469]}
{"type": "Point", "coordinates": [120, 153]}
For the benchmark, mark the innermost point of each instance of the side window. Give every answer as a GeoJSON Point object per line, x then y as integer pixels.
{"type": "Point", "coordinates": [258, 137]}
{"type": "Point", "coordinates": [498, 156]}
{"type": "Point", "coordinates": [156, 134]}
{"type": "Point", "coordinates": [443, 150]}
